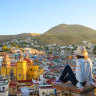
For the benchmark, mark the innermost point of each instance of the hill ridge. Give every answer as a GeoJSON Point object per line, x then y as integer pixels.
{"type": "Point", "coordinates": [61, 34]}
{"type": "Point", "coordinates": [68, 34]}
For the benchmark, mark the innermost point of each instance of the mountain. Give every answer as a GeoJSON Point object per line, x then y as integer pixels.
{"type": "Point", "coordinates": [68, 34]}
{"type": "Point", "coordinates": [61, 34]}
{"type": "Point", "coordinates": [18, 36]}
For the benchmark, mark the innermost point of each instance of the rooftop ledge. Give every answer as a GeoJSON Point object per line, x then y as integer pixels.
{"type": "Point", "coordinates": [68, 87]}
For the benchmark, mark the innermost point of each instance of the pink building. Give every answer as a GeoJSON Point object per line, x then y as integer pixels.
{"type": "Point", "coordinates": [13, 64]}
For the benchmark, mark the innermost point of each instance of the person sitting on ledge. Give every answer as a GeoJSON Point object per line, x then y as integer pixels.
{"type": "Point", "coordinates": [83, 74]}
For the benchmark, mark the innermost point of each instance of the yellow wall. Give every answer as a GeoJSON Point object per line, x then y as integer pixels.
{"type": "Point", "coordinates": [19, 74]}
{"type": "Point", "coordinates": [34, 72]}
{"type": "Point", "coordinates": [35, 75]}
{"type": "Point", "coordinates": [40, 71]}
{"type": "Point", "coordinates": [3, 71]}
{"type": "Point", "coordinates": [21, 64]}
{"type": "Point", "coordinates": [8, 70]}
{"type": "Point", "coordinates": [23, 72]}
{"type": "Point", "coordinates": [34, 67]}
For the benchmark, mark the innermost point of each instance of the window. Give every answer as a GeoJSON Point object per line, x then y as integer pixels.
{"type": "Point", "coordinates": [42, 93]}
{"type": "Point", "coordinates": [3, 88]}
{"type": "Point", "coordinates": [30, 69]}
{"type": "Point", "coordinates": [19, 65]}
{"type": "Point", "coordinates": [30, 93]}
{"type": "Point", "coordinates": [19, 74]}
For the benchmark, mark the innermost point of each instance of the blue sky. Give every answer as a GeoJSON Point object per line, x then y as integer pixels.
{"type": "Point", "coordinates": [37, 16]}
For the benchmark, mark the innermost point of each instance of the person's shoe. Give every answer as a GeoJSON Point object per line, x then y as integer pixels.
{"type": "Point", "coordinates": [57, 81]}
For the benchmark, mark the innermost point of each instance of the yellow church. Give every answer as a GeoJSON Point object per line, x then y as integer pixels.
{"type": "Point", "coordinates": [24, 69]}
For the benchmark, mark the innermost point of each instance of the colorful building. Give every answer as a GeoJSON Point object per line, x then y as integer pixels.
{"type": "Point", "coordinates": [24, 70]}
{"type": "Point", "coordinates": [33, 71]}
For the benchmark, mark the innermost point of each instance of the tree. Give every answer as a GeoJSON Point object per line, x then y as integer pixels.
{"type": "Point", "coordinates": [94, 52]}
{"type": "Point", "coordinates": [94, 48]}
{"type": "Point", "coordinates": [13, 44]}
{"type": "Point", "coordinates": [46, 48]}
{"type": "Point", "coordinates": [68, 49]}
{"type": "Point", "coordinates": [5, 48]}
{"type": "Point", "coordinates": [87, 48]}
{"type": "Point", "coordinates": [24, 45]}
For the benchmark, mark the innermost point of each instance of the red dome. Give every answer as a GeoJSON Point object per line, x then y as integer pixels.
{"type": "Point", "coordinates": [28, 60]}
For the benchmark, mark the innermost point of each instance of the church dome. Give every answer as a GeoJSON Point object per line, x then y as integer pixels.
{"type": "Point", "coordinates": [28, 60]}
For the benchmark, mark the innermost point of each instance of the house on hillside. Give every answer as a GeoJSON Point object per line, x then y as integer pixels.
{"type": "Point", "coordinates": [46, 90]}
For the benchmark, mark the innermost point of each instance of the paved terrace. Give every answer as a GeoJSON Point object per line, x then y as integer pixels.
{"type": "Point", "coordinates": [71, 90]}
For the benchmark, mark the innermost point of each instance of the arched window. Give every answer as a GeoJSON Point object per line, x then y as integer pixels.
{"type": "Point", "coordinates": [30, 69]}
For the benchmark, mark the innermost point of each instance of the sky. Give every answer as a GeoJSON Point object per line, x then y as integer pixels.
{"type": "Point", "coordinates": [38, 16]}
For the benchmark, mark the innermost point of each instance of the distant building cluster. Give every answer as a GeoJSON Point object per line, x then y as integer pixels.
{"type": "Point", "coordinates": [31, 71]}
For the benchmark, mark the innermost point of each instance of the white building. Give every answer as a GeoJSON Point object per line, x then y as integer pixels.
{"type": "Point", "coordinates": [45, 90]}
{"type": "Point", "coordinates": [25, 91]}
{"type": "Point", "coordinates": [4, 85]}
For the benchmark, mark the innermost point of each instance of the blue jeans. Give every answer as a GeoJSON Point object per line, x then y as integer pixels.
{"type": "Point", "coordinates": [68, 74]}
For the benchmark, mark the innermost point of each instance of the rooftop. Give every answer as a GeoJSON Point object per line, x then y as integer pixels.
{"type": "Point", "coordinates": [45, 86]}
